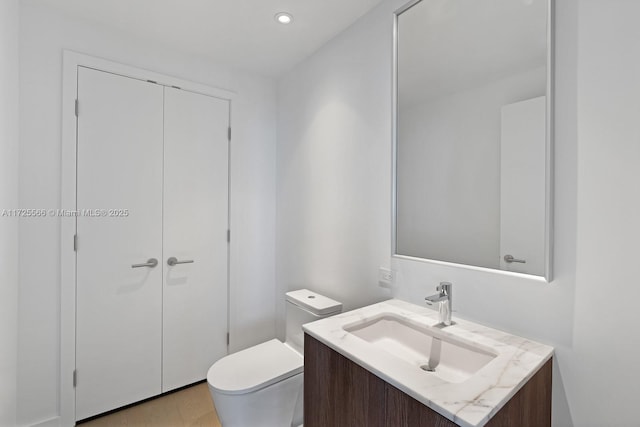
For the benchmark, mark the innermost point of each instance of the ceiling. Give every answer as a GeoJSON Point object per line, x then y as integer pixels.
{"type": "Point", "coordinates": [239, 33]}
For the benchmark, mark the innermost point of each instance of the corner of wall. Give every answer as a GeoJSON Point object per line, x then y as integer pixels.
{"type": "Point", "coordinates": [9, 143]}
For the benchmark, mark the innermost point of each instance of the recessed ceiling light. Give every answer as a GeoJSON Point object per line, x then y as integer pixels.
{"type": "Point", "coordinates": [284, 17]}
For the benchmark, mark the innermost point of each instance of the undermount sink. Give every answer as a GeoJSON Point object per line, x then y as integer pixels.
{"type": "Point", "coordinates": [431, 351]}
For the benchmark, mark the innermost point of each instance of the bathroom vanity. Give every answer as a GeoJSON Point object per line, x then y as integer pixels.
{"type": "Point", "coordinates": [391, 364]}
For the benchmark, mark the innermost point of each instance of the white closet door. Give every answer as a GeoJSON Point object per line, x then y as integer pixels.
{"type": "Point", "coordinates": [119, 308]}
{"type": "Point", "coordinates": [195, 229]}
{"type": "Point", "coordinates": [522, 185]}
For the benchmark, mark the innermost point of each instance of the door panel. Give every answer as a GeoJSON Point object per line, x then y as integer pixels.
{"type": "Point", "coordinates": [522, 186]}
{"type": "Point", "coordinates": [118, 341]}
{"type": "Point", "coordinates": [195, 228]}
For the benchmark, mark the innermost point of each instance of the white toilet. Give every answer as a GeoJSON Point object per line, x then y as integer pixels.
{"type": "Point", "coordinates": [262, 385]}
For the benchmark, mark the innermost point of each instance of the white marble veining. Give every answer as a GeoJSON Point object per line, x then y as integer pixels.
{"type": "Point", "coordinates": [470, 403]}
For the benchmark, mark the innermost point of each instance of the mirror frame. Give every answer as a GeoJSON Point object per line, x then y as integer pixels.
{"type": "Point", "coordinates": [549, 150]}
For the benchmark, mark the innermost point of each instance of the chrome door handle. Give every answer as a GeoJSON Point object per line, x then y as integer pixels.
{"type": "Point", "coordinates": [510, 259]}
{"type": "Point", "coordinates": [151, 262]}
{"type": "Point", "coordinates": [173, 261]}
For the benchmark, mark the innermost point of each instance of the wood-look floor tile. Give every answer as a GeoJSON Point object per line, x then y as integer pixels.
{"type": "Point", "coordinates": [190, 407]}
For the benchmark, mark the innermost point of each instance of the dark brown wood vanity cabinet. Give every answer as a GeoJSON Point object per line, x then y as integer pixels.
{"type": "Point", "coordinates": [340, 393]}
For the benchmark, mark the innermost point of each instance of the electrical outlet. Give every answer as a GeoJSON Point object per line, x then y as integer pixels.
{"type": "Point", "coordinates": [385, 277]}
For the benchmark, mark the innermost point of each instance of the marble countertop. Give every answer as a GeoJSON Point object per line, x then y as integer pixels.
{"type": "Point", "coordinates": [471, 403]}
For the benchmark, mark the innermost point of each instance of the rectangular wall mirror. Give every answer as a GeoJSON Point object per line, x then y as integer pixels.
{"type": "Point", "coordinates": [472, 133]}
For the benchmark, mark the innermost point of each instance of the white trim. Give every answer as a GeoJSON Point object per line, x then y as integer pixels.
{"type": "Point", "coordinates": [71, 62]}
{"type": "Point", "coordinates": [51, 422]}
{"type": "Point", "coordinates": [82, 60]}
{"type": "Point", "coordinates": [67, 401]}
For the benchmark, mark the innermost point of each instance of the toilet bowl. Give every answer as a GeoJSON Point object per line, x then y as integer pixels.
{"type": "Point", "coordinates": [262, 385]}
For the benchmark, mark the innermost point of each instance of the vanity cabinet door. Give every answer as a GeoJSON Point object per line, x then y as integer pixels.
{"type": "Point", "coordinates": [339, 393]}
{"type": "Point", "coordinates": [402, 410]}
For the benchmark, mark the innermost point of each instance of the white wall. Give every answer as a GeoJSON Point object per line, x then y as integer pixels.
{"type": "Point", "coordinates": [333, 167]}
{"type": "Point", "coordinates": [449, 170]}
{"type": "Point", "coordinates": [606, 346]}
{"type": "Point", "coordinates": [9, 30]}
{"type": "Point", "coordinates": [334, 180]}
{"type": "Point", "coordinates": [43, 34]}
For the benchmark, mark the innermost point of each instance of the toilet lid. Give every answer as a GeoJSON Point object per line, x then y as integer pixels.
{"type": "Point", "coordinates": [255, 368]}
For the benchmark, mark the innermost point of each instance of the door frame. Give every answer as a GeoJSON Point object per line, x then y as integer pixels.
{"type": "Point", "coordinates": [71, 62]}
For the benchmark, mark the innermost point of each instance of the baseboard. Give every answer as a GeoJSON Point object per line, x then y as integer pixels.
{"type": "Point", "coordinates": [51, 422]}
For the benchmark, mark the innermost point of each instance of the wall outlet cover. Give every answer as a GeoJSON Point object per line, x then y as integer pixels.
{"type": "Point", "coordinates": [386, 277]}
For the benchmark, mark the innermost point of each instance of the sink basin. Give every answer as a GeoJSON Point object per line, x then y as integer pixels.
{"type": "Point", "coordinates": [429, 349]}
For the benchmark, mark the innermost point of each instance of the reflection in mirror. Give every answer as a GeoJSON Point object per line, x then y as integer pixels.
{"type": "Point", "coordinates": [472, 140]}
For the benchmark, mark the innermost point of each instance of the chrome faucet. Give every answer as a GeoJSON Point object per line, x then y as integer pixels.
{"type": "Point", "coordinates": [444, 300]}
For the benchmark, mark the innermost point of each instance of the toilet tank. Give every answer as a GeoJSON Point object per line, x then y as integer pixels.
{"type": "Point", "coordinates": [304, 306]}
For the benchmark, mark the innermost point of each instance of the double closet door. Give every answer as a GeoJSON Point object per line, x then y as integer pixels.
{"type": "Point", "coordinates": [152, 196]}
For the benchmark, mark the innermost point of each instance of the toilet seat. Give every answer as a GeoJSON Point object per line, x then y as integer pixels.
{"type": "Point", "coordinates": [255, 368]}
